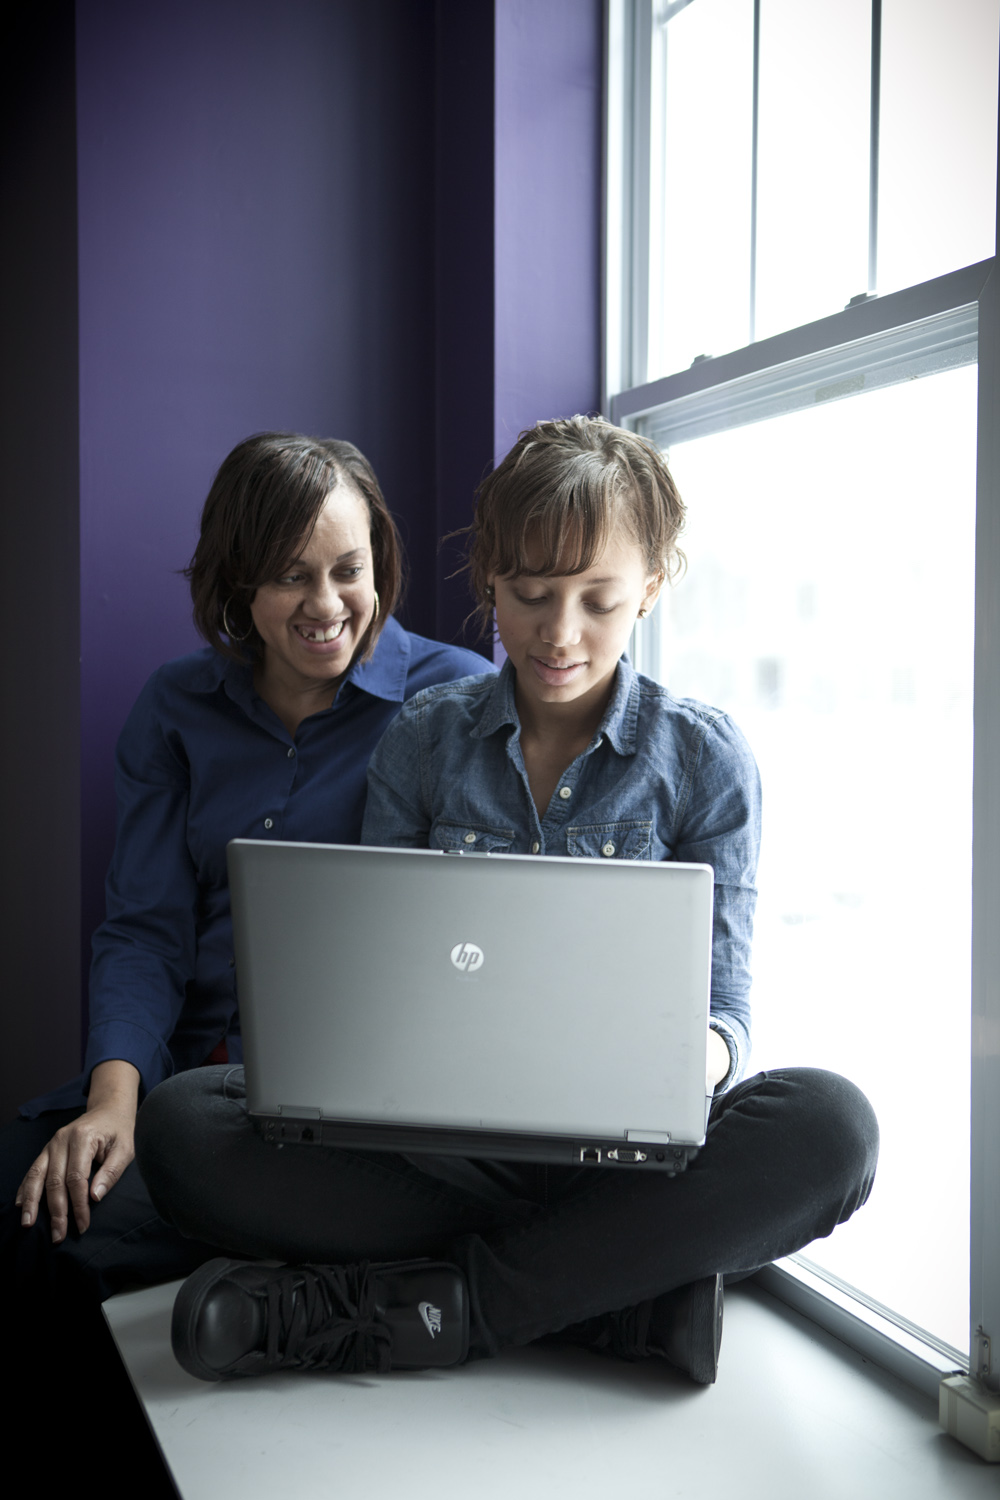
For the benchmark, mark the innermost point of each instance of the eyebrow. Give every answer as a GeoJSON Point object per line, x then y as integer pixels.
{"type": "Point", "coordinates": [591, 582]}
{"type": "Point", "coordinates": [341, 557]}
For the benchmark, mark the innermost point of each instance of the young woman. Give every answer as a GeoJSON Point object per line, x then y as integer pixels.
{"type": "Point", "coordinates": [266, 732]}
{"type": "Point", "coordinates": [567, 751]}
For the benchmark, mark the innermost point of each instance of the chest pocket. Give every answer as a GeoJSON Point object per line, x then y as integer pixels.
{"type": "Point", "coordinates": [471, 838]}
{"type": "Point", "coordinates": [631, 840]}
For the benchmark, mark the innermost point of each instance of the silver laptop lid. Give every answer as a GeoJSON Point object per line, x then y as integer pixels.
{"type": "Point", "coordinates": [552, 996]}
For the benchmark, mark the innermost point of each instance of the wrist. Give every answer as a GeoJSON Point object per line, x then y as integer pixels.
{"type": "Point", "coordinates": [115, 1083]}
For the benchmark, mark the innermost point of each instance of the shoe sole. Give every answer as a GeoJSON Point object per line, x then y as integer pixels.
{"type": "Point", "coordinates": [706, 1312]}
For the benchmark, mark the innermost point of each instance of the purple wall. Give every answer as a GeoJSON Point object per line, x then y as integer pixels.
{"type": "Point", "coordinates": [464, 275]}
{"type": "Point", "coordinates": [375, 219]}
{"type": "Point", "coordinates": [547, 333]}
{"type": "Point", "coordinates": [255, 251]}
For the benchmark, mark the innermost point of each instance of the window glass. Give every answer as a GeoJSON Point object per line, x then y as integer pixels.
{"type": "Point", "coordinates": [700, 219]}
{"type": "Point", "coordinates": [813, 154]}
{"type": "Point", "coordinates": [937, 162]}
{"type": "Point", "coordinates": [938, 138]}
{"type": "Point", "coordinates": [828, 606]}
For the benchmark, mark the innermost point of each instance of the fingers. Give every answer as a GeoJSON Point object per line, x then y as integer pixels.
{"type": "Point", "coordinates": [57, 1180]}
{"type": "Point", "coordinates": [103, 1137]}
{"type": "Point", "coordinates": [114, 1164]}
{"type": "Point", "coordinates": [62, 1172]}
{"type": "Point", "coordinates": [83, 1149]}
{"type": "Point", "coordinates": [29, 1194]}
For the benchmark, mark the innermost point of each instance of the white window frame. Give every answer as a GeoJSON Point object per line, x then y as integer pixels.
{"type": "Point", "coordinates": [931, 325]}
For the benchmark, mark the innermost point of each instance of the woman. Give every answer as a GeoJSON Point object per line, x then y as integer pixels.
{"type": "Point", "coordinates": [575, 535]}
{"type": "Point", "coordinates": [264, 733]}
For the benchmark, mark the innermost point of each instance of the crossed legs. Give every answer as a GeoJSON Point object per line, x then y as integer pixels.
{"type": "Point", "coordinates": [790, 1154]}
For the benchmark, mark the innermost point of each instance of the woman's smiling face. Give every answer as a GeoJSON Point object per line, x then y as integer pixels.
{"type": "Point", "coordinates": [564, 632]}
{"type": "Point", "coordinates": [311, 619]}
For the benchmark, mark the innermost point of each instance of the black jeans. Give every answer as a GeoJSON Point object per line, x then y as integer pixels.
{"type": "Point", "coordinates": [790, 1154]}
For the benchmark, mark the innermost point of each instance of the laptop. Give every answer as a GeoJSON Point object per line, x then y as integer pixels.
{"type": "Point", "coordinates": [481, 1005]}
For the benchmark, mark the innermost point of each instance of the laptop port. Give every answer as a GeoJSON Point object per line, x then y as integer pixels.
{"type": "Point", "coordinates": [590, 1153]}
{"type": "Point", "coordinates": [626, 1154]}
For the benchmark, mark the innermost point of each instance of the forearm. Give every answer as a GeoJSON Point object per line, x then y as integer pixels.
{"type": "Point", "coordinates": [114, 1084]}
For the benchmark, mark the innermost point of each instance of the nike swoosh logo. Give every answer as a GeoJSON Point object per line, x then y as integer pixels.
{"type": "Point", "coordinates": [431, 1316]}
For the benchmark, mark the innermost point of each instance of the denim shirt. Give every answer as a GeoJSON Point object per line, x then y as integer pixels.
{"type": "Point", "coordinates": [662, 778]}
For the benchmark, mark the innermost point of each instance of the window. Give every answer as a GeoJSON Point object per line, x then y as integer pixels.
{"type": "Point", "coordinates": [801, 311]}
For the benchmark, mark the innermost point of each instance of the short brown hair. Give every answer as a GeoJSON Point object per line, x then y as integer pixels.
{"type": "Point", "coordinates": [263, 502]}
{"type": "Point", "coordinates": [569, 486]}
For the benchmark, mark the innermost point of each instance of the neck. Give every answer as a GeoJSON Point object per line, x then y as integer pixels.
{"type": "Point", "coordinates": [562, 723]}
{"type": "Point", "coordinates": [293, 702]}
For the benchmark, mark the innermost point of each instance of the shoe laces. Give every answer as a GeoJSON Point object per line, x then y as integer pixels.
{"type": "Point", "coordinates": [623, 1333]}
{"type": "Point", "coordinates": [325, 1318]}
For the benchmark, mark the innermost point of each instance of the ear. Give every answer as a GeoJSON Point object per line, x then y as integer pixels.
{"type": "Point", "coordinates": [654, 584]}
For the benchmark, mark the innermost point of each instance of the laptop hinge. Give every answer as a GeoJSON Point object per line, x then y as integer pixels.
{"type": "Point", "coordinates": [300, 1111]}
{"type": "Point", "coordinates": [654, 1137]}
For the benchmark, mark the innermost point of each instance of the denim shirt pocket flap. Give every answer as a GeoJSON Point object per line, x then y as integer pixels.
{"type": "Point", "coordinates": [630, 840]}
{"type": "Point", "coordinates": [470, 838]}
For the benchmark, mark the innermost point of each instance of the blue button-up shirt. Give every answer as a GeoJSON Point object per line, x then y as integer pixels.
{"type": "Point", "coordinates": [662, 778]}
{"type": "Point", "coordinates": [202, 760]}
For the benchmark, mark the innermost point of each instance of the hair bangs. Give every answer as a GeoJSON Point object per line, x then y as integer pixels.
{"type": "Point", "coordinates": [553, 504]}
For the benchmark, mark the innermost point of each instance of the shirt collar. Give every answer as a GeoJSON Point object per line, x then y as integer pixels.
{"type": "Point", "coordinates": [617, 726]}
{"type": "Point", "coordinates": [385, 675]}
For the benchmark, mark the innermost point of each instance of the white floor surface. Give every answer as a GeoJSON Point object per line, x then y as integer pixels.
{"type": "Point", "coordinates": [794, 1413]}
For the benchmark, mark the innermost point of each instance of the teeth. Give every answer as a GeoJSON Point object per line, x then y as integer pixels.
{"type": "Point", "coordinates": [321, 635]}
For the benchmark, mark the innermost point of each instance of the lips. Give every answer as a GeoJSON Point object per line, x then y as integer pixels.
{"type": "Point", "coordinates": [556, 671]}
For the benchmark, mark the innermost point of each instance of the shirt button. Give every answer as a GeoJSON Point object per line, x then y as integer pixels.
{"type": "Point", "coordinates": [291, 752]}
{"type": "Point", "coordinates": [535, 847]}
{"type": "Point", "coordinates": [608, 849]}
{"type": "Point", "coordinates": [470, 838]}
{"type": "Point", "coordinates": [565, 791]}
{"type": "Point", "coordinates": [268, 822]}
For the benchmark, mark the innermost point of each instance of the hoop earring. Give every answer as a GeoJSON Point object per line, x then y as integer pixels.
{"type": "Point", "coordinates": [235, 639]}
{"type": "Point", "coordinates": [643, 612]}
{"type": "Point", "coordinates": [377, 607]}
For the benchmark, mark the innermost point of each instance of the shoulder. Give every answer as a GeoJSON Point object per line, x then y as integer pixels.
{"type": "Point", "coordinates": [441, 712]}
{"type": "Point", "coordinates": [433, 662]}
{"type": "Point", "coordinates": [450, 700]}
{"type": "Point", "coordinates": [176, 693]}
{"type": "Point", "coordinates": [699, 727]}
{"type": "Point", "coordinates": [198, 672]}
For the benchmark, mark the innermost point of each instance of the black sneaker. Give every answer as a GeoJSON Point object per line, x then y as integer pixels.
{"type": "Point", "coordinates": [235, 1317]}
{"type": "Point", "coordinates": [684, 1327]}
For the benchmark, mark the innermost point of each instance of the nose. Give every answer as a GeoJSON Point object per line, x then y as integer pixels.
{"type": "Point", "coordinates": [560, 626]}
{"type": "Point", "coordinates": [323, 600]}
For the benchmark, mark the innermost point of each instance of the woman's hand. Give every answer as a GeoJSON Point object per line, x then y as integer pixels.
{"type": "Point", "coordinates": [104, 1134]}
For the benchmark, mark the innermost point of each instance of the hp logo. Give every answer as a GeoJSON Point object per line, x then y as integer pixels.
{"type": "Point", "coordinates": [467, 957]}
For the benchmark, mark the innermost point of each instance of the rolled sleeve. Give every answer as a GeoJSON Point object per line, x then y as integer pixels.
{"type": "Point", "coordinates": [720, 826]}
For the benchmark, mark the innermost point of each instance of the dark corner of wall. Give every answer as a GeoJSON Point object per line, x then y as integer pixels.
{"type": "Point", "coordinates": [39, 547]}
